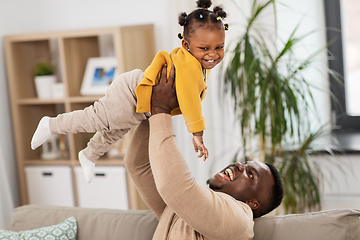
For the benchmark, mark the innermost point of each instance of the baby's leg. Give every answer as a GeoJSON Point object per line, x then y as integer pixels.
{"type": "Point", "coordinates": [98, 145]}
{"type": "Point", "coordinates": [123, 116]}
{"type": "Point", "coordinates": [91, 119]}
{"type": "Point", "coordinates": [113, 111]}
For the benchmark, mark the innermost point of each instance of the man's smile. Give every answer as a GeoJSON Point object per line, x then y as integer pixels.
{"type": "Point", "coordinates": [230, 174]}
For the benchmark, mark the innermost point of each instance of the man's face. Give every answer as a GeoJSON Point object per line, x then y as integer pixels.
{"type": "Point", "coordinates": [246, 181]}
{"type": "Point", "coordinates": [206, 44]}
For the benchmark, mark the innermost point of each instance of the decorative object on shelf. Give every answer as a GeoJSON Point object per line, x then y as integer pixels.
{"type": "Point", "coordinates": [58, 91]}
{"type": "Point", "coordinates": [63, 146]}
{"type": "Point", "coordinates": [50, 150]}
{"type": "Point", "coordinates": [99, 74]}
{"type": "Point", "coordinates": [44, 79]}
{"type": "Point", "coordinates": [118, 149]}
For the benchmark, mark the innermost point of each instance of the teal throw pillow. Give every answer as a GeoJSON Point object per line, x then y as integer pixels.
{"type": "Point", "coordinates": [63, 231]}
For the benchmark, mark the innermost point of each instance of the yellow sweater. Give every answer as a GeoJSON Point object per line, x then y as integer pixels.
{"type": "Point", "coordinates": [190, 86]}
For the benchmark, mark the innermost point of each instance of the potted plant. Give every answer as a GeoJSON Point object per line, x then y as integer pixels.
{"type": "Point", "coordinates": [270, 92]}
{"type": "Point", "coordinates": [44, 79]}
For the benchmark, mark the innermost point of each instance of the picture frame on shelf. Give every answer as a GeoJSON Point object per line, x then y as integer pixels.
{"type": "Point", "coordinates": [99, 74]}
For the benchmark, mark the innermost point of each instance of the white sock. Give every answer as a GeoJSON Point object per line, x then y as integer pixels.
{"type": "Point", "coordinates": [87, 166]}
{"type": "Point", "coordinates": [42, 133]}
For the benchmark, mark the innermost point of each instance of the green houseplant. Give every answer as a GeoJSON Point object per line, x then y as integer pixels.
{"type": "Point", "coordinates": [270, 94]}
{"type": "Point", "coordinates": [45, 78]}
{"type": "Point", "coordinates": [44, 68]}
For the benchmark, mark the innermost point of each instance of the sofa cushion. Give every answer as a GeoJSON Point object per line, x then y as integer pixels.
{"type": "Point", "coordinates": [64, 231]}
{"type": "Point", "coordinates": [91, 223]}
{"type": "Point", "coordinates": [339, 224]}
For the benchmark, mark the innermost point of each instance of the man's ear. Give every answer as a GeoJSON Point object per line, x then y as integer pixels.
{"type": "Point", "coordinates": [254, 204]}
{"type": "Point", "coordinates": [185, 44]}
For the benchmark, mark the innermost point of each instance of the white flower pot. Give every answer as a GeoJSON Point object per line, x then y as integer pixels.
{"type": "Point", "coordinates": [44, 85]}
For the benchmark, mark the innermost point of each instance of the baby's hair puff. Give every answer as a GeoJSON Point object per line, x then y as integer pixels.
{"type": "Point", "coordinates": [202, 17]}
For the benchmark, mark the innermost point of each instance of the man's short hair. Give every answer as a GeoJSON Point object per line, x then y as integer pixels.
{"type": "Point", "coordinates": [276, 192]}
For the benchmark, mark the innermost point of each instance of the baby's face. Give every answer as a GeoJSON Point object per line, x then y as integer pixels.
{"type": "Point", "coordinates": [207, 46]}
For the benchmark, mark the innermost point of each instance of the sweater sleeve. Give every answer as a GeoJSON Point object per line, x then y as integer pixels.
{"type": "Point", "coordinates": [190, 85]}
{"type": "Point", "coordinates": [144, 89]}
{"type": "Point", "coordinates": [138, 166]}
{"type": "Point", "coordinates": [200, 207]}
{"type": "Point", "coordinates": [188, 93]}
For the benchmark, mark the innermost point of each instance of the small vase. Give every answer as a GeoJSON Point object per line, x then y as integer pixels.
{"type": "Point", "coordinates": [44, 86]}
{"type": "Point", "coordinates": [50, 150]}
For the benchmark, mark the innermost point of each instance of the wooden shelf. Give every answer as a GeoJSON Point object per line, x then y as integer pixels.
{"type": "Point", "coordinates": [84, 99]}
{"type": "Point", "coordinates": [46, 162]}
{"type": "Point", "coordinates": [133, 46]}
{"type": "Point", "coordinates": [37, 101]}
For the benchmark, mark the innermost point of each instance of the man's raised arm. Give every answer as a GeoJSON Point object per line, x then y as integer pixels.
{"type": "Point", "coordinates": [138, 166]}
{"type": "Point", "coordinates": [199, 207]}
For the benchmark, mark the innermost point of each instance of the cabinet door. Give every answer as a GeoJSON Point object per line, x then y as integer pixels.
{"type": "Point", "coordinates": [50, 185]}
{"type": "Point", "coordinates": [108, 189]}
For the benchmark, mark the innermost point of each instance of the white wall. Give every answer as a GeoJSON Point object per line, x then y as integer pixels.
{"type": "Point", "coordinates": [22, 16]}
{"type": "Point", "coordinates": [340, 184]}
{"type": "Point", "coordinates": [312, 17]}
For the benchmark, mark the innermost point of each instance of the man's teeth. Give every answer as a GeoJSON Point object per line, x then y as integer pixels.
{"type": "Point", "coordinates": [230, 174]}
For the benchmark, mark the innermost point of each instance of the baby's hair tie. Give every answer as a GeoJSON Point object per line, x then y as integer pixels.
{"type": "Point", "coordinates": [180, 35]}
{"type": "Point", "coordinates": [201, 16]}
{"type": "Point", "coordinates": [226, 26]}
{"type": "Point", "coordinates": [218, 18]}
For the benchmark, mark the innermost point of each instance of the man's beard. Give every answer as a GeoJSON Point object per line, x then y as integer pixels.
{"type": "Point", "coordinates": [212, 186]}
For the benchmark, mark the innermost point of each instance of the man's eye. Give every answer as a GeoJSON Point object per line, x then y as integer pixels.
{"type": "Point", "coordinates": [251, 175]}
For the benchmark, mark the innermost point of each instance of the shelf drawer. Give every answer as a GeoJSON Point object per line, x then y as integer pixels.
{"type": "Point", "coordinates": [108, 189]}
{"type": "Point", "coordinates": [50, 185]}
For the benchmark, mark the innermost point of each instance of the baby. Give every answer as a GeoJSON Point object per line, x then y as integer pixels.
{"type": "Point", "coordinates": [127, 100]}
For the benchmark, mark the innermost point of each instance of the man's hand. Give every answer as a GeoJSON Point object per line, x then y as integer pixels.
{"type": "Point", "coordinates": [163, 99]}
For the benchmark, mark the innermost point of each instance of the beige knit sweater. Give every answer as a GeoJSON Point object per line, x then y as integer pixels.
{"type": "Point", "coordinates": [185, 209]}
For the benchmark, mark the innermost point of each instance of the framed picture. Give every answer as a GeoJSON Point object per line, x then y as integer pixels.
{"type": "Point", "coordinates": [99, 74]}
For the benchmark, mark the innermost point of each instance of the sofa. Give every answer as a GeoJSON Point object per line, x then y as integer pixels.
{"type": "Point", "coordinates": [103, 224]}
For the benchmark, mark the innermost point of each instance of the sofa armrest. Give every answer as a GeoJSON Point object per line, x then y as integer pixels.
{"type": "Point", "coordinates": [91, 223]}
{"type": "Point", "coordinates": [337, 224]}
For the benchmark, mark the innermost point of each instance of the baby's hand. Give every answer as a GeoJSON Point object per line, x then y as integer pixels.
{"type": "Point", "coordinates": [199, 145]}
